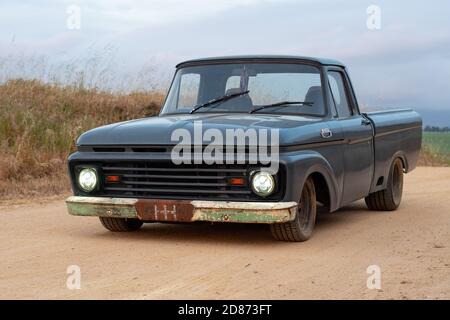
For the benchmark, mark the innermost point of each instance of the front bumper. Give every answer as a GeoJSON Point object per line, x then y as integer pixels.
{"type": "Point", "coordinates": [182, 210]}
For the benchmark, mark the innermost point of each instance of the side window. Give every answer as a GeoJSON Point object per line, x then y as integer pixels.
{"type": "Point", "coordinates": [189, 86]}
{"type": "Point", "coordinates": [337, 87]}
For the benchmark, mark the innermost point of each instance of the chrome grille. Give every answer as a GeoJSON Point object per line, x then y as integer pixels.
{"type": "Point", "coordinates": [167, 180]}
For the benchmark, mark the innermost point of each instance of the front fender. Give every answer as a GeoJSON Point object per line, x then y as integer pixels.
{"type": "Point", "coordinates": [300, 166]}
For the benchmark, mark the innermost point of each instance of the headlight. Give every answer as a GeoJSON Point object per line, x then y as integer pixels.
{"type": "Point", "coordinates": [88, 179]}
{"type": "Point", "coordinates": [263, 184]}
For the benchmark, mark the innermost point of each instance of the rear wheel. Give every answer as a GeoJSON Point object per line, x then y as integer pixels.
{"type": "Point", "coordinates": [388, 199]}
{"type": "Point", "coordinates": [301, 228]}
{"type": "Point", "coordinates": [121, 224]}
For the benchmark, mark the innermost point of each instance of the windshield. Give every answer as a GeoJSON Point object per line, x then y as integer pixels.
{"type": "Point", "coordinates": [251, 85]}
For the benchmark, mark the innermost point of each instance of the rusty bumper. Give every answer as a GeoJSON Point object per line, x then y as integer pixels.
{"type": "Point", "coordinates": [182, 210]}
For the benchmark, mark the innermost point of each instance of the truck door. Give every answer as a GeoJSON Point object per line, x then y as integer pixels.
{"type": "Point", "coordinates": [357, 132]}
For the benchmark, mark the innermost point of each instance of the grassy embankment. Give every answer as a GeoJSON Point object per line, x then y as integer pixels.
{"type": "Point", "coordinates": [39, 124]}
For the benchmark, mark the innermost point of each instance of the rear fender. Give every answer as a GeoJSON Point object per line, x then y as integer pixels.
{"type": "Point", "coordinates": [387, 168]}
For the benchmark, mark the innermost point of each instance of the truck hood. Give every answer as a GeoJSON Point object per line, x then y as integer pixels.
{"type": "Point", "coordinates": [158, 130]}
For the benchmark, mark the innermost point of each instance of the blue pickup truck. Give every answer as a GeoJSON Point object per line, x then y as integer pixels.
{"type": "Point", "coordinates": [207, 156]}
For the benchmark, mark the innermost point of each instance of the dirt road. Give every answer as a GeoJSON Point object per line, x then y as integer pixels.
{"type": "Point", "coordinates": [411, 246]}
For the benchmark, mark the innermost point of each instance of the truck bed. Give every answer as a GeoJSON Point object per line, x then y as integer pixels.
{"type": "Point", "coordinates": [397, 133]}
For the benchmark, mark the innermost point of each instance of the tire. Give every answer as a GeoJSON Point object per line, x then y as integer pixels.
{"type": "Point", "coordinates": [388, 199]}
{"type": "Point", "coordinates": [121, 224]}
{"type": "Point", "coordinates": [301, 228]}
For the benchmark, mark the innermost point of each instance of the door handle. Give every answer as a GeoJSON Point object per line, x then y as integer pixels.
{"type": "Point", "coordinates": [326, 133]}
{"type": "Point", "coordinates": [365, 122]}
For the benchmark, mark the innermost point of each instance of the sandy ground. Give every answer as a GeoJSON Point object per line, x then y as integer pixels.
{"type": "Point", "coordinates": [225, 261]}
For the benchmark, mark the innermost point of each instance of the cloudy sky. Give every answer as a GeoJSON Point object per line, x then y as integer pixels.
{"type": "Point", "coordinates": [403, 63]}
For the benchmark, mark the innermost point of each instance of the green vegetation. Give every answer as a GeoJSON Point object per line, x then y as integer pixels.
{"type": "Point", "coordinates": [437, 144]}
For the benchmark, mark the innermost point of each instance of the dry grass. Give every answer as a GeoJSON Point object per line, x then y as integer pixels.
{"type": "Point", "coordinates": [39, 124]}
{"type": "Point", "coordinates": [428, 158]}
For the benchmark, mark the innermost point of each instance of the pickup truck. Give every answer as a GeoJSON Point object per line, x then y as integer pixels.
{"type": "Point", "coordinates": [324, 152]}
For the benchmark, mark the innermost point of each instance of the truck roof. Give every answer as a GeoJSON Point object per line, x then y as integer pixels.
{"type": "Point", "coordinates": [259, 58]}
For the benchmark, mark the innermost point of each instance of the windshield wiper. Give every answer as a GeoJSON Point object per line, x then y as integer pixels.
{"type": "Point", "coordinates": [282, 103]}
{"type": "Point", "coordinates": [220, 99]}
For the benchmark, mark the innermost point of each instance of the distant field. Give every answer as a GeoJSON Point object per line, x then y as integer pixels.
{"type": "Point", "coordinates": [437, 145]}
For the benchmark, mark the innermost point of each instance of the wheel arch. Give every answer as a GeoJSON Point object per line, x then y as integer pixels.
{"type": "Point", "coordinates": [322, 189]}
{"type": "Point", "coordinates": [315, 165]}
{"type": "Point", "coordinates": [399, 155]}
{"type": "Point", "coordinates": [383, 168]}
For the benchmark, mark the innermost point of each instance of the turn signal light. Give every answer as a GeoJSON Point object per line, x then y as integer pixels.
{"type": "Point", "coordinates": [237, 181]}
{"type": "Point", "coordinates": [112, 179]}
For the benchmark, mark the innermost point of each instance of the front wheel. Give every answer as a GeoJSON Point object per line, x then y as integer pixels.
{"type": "Point", "coordinates": [388, 199]}
{"type": "Point", "coordinates": [121, 224]}
{"type": "Point", "coordinates": [301, 228]}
